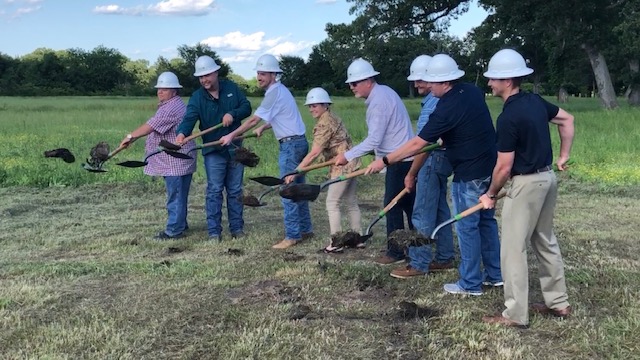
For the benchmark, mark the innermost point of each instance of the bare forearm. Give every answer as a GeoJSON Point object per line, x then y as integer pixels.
{"type": "Point", "coordinates": [500, 176]}
{"type": "Point", "coordinates": [407, 150]}
{"type": "Point", "coordinates": [248, 124]}
{"type": "Point", "coordinates": [566, 132]}
{"type": "Point", "coordinates": [142, 131]}
{"type": "Point", "coordinates": [417, 163]}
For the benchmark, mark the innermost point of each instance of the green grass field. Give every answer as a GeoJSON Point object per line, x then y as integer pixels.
{"type": "Point", "coordinates": [80, 277]}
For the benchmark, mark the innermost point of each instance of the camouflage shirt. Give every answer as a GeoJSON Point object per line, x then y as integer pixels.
{"type": "Point", "coordinates": [331, 135]}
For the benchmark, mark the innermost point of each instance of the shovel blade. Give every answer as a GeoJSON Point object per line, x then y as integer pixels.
{"type": "Point", "coordinates": [93, 169]}
{"type": "Point", "coordinates": [268, 180]}
{"type": "Point", "coordinates": [300, 192]}
{"type": "Point", "coordinates": [178, 155]}
{"type": "Point", "coordinates": [132, 163]}
{"type": "Point", "coordinates": [169, 146]}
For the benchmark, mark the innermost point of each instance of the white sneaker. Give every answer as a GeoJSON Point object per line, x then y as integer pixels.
{"type": "Point", "coordinates": [494, 284]}
{"type": "Point", "coordinates": [456, 289]}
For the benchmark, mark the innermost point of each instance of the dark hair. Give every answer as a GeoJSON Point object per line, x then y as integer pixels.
{"type": "Point", "coordinates": [517, 81]}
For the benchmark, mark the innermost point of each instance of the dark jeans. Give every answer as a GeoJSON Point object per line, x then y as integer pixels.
{"type": "Point", "coordinates": [394, 184]}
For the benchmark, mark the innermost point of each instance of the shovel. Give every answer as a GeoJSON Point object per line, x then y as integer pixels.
{"type": "Point", "coordinates": [382, 213]}
{"type": "Point", "coordinates": [99, 168]}
{"type": "Point", "coordinates": [135, 163]}
{"type": "Point", "coordinates": [308, 192]}
{"type": "Point", "coordinates": [271, 181]}
{"type": "Point", "coordinates": [170, 146]}
{"type": "Point", "coordinates": [461, 215]}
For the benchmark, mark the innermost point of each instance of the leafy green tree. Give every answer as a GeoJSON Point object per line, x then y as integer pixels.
{"type": "Point", "coordinates": [628, 33]}
{"type": "Point", "coordinates": [294, 72]}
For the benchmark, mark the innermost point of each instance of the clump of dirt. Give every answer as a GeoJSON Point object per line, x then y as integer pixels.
{"type": "Point", "coordinates": [250, 200]}
{"type": "Point", "coordinates": [291, 256]}
{"type": "Point", "coordinates": [299, 192]}
{"type": "Point", "coordinates": [408, 310]}
{"type": "Point", "coordinates": [267, 290]}
{"type": "Point", "coordinates": [298, 312]}
{"type": "Point", "coordinates": [174, 250]}
{"type": "Point", "coordinates": [246, 157]}
{"type": "Point", "coordinates": [349, 239]}
{"type": "Point", "coordinates": [61, 153]}
{"type": "Point", "coordinates": [98, 154]}
{"type": "Point", "coordinates": [403, 238]}
{"type": "Point", "coordinates": [234, 252]}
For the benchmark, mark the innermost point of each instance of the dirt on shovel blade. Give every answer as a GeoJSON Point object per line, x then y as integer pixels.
{"type": "Point", "coordinates": [250, 200]}
{"type": "Point", "coordinates": [404, 238]}
{"type": "Point", "coordinates": [98, 154]}
{"type": "Point", "coordinates": [300, 192]}
{"type": "Point", "coordinates": [349, 239]}
{"type": "Point", "coordinates": [246, 157]}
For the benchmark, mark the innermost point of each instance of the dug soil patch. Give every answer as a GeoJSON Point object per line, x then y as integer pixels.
{"type": "Point", "coordinates": [272, 291]}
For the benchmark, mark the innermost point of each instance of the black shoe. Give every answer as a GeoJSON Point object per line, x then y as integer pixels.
{"type": "Point", "coordinates": [238, 235]}
{"type": "Point", "coordinates": [164, 236]}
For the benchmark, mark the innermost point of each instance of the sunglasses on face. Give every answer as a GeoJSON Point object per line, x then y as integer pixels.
{"type": "Point", "coordinates": [355, 83]}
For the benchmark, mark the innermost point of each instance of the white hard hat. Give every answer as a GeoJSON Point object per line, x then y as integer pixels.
{"type": "Point", "coordinates": [268, 63]}
{"type": "Point", "coordinates": [205, 65]}
{"type": "Point", "coordinates": [419, 68]}
{"type": "Point", "coordinates": [442, 68]}
{"type": "Point", "coordinates": [360, 69]}
{"type": "Point", "coordinates": [168, 80]}
{"type": "Point", "coordinates": [507, 64]}
{"type": "Point", "coordinates": [317, 96]}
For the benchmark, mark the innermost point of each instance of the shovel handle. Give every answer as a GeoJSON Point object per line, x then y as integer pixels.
{"type": "Point", "coordinates": [218, 142]}
{"type": "Point", "coordinates": [117, 150]}
{"type": "Point", "coordinates": [393, 202]}
{"type": "Point", "coordinates": [205, 131]}
{"type": "Point", "coordinates": [315, 166]}
{"type": "Point", "coordinates": [475, 208]}
{"type": "Point", "coordinates": [428, 148]}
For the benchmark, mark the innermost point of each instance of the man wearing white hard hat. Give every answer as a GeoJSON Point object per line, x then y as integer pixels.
{"type": "Point", "coordinates": [218, 102]}
{"type": "Point", "coordinates": [428, 178]}
{"type": "Point", "coordinates": [524, 169]}
{"type": "Point", "coordinates": [176, 172]}
{"type": "Point", "coordinates": [280, 112]}
{"type": "Point", "coordinates": [388, 127]}
{"type": "Point", "coordinates": [463, 122]}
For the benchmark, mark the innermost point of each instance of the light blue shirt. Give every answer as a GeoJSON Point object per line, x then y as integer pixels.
{"type": "Point", "coordinates": [388, 124]}
{"type": "Point", "coordinates": [428, 105]}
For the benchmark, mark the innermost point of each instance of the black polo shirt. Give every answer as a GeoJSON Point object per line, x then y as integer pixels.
{"type": "Point", "coordinates": [523, 127]}
{"type": "Point", "coordinates": [463, 121]}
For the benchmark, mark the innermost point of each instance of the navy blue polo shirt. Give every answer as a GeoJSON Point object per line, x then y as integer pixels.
{"type": "Point", "coordinates": [523, 127]}
{"type": "Point", "coordinates": [463, 121]}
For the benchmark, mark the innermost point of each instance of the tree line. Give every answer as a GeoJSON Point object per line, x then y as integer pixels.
{"type": "Point", "coordinates": [580, 48]}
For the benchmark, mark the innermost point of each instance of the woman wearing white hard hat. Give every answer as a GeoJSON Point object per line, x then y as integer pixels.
{"type": "Point", "coordinates": [463, 121]}
{"type": "Point", "coordinates": [330, 138]}
{"type": "Point", "coordinates": [176, 172]}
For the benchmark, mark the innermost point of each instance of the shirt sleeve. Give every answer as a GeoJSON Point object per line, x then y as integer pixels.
{"type": "Point", "coordinates": [267, 108]}
{"type": "Point", "coordinates": [243, 109]}
{"type": "Point", "coordinates": [190, 117]}
{"type": "Point", "coordinates": [552, 110]}
{"type": "Point", "coordinates": [435, 127]}
{"type": "Point", "coordinates": [377, 124]}
{"type": "Point", "coordinates": [506, 135]}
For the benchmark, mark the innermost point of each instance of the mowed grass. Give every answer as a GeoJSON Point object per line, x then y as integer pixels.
{"type": "Point", "coordinates": [80, 276]}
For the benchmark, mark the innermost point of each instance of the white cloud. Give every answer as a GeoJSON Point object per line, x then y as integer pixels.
{"type": "Point", "coordinates": [23, 11]}
{"type": "Point", "coordinates": [290, 48]}
{"type": "Point", "coordinates": [166, 7]}
{"type": "Point", "coordinates": [326, 1]}
{"type": "Point", "coordinates": [237, 41]}
{"type": "Point", "coordinates": [17, 8]}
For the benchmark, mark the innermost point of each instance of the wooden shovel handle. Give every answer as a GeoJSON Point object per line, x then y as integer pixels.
{"type": "Point", "coordinates": [117, 150]}
{"type": "Point", "coordinates": [218, 142]}
{"type": "Point", "coordinates": [205, 131]}
{"type": "Point", "coordinates": [478, 207]}
{"type": "Point", "coordinates": [316, 166]}
{"type": "Point", "coordinates": [394, 201]}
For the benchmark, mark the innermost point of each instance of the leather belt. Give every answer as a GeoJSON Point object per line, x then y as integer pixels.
{"type": "Point", "coordinates": [289, 138]}
{"type": "Point", "coordinates": [541, 170]}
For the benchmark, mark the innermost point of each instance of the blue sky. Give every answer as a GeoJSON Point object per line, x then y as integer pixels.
{"type": "Point", "coordinates": [238, 30]}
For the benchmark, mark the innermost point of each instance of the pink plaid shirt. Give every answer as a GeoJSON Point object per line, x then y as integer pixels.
{"type": "Point", "coordinates": [164, 124]}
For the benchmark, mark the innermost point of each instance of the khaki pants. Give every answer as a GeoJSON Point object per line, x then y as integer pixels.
{"type": "Point", "coordinates": [338, 193]}
{"type": "Point", "coordinates": [527, 215]}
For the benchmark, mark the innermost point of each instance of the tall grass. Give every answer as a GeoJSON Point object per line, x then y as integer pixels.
{"type": "Point", "coordinates": [605, 150]}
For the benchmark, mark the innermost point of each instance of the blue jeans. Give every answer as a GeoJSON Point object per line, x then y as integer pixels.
{"type": "Point", "coordinates": [223, 173]}
{"type": "Point", "coordinates": [393, 185]}
{"type": "Point", "coordinates": [477, 236]}
{"type": "Point", "coordinates": [430, 209]}
{"type": "Point", "coordinates": [297, 219]}
{"type": "Point", "coordinates": [177, 201]}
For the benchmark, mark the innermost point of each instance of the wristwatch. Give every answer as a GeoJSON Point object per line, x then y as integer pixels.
{"type": "Point", "coordinates": [129, 136]}
{"type": "Point", "coordinates": [385, 160]}
{"type": "Point", "coordinates": [492, 197]}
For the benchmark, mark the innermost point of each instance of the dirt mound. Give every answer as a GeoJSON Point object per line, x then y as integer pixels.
{"type": "Point", "coordinates": [246, 157]}
{"type": "Point", "coordinates": [408, 310]}
{"type": "Point", "coordinates": [404, 238]}
{"type": "Point", "coordinates": [61, 153]}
